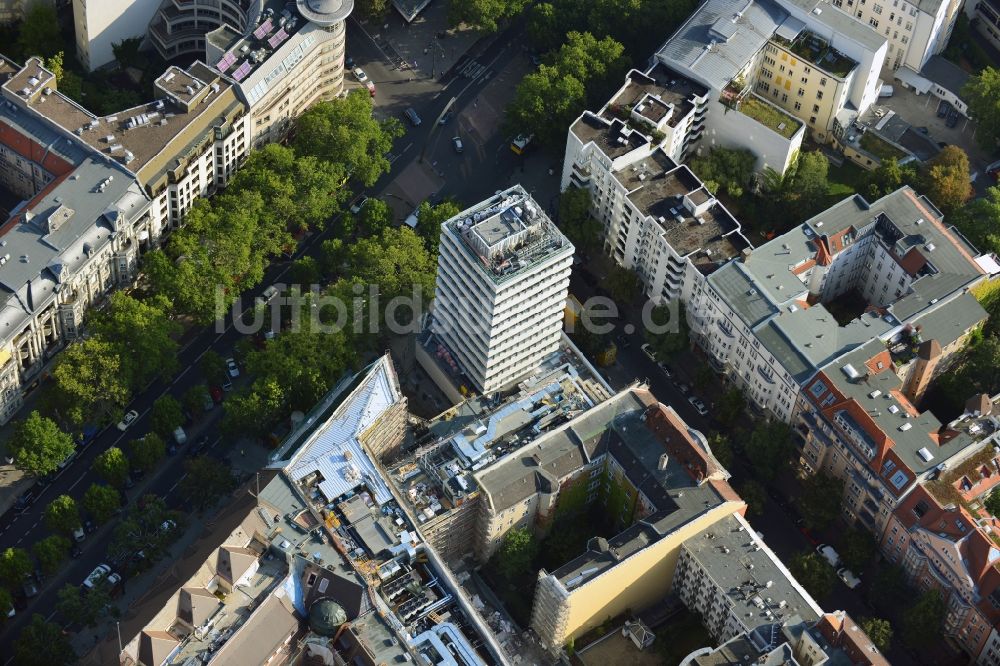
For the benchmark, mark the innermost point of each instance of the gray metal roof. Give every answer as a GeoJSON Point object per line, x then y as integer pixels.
{"type": "Point", "coordinates": [735, 287]}
{"type": "Point", "coordinates": [946, 74]}
{"type": "Point", "coordinates": [948, 323]}
{"type": "Point", "coordinates": [721, 37]}
{"type": "Point", "coordinates": [838, 22]}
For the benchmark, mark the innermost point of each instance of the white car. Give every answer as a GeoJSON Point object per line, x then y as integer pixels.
{"type": "Point", "coordinates": [360, 75]}
{"type": "Point", "coordinates": [167, 525]}
{"type": "Point", "coordinates": [79, 534]}
{"type": "Point", "coordinates": [457, 143]}
{"type": "Point", "coordinates": [234, 370]}
{"type": "Point", "coordinates": [358, 204]}
{"type": "Point", "coordinates": [698, 405]}
{"type": "Point", "coordinates": [850, 580]}
{"type": "Point", "coordinates": [96, 576]}
{"type": "Point", "coordinates": [647, 349]}
{"type": "Point", "coordinates": [128, 420]}
{"type": "Point", "coordinates": [828, 554]}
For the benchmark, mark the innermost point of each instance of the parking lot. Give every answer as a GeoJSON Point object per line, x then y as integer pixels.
{"type": "Point", "coordinates": [921, 111]}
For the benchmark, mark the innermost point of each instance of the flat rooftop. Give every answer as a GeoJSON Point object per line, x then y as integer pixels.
{"type": "Point", "coordinates": [663, 190]}
{"type": "Point", "coordinates": [613, 137]}
{"type": "Point", "coordinates": [133, 137]}
{"type": "Point", "coordinates": [759, 588]}
{"type": "Point", "coordinates": [508, 234]}
{"type": "Point", "coordinates": [660, 92]}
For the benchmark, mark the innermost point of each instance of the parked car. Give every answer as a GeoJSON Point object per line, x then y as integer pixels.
{"type": "Point", "coordinates": [412, 116]}
{"type": "Point", "coordinates": [26, 499]}
{"type": "Point", "coordinates": [74, 551]}
{"type": "Point", "coordinates": [446, 117]}
{"type": "Point", "coordinates": [200, 446]}
{"type": "Point", "coordinates": [127, 420]}
{"type": "Point", "coordinates": [647, 349]}
{"type": "Point", "coordinates": [943, 109]}
{"type": "Point", "coordinates": [360, 75]}
{"type": "Point", "coordinates": [371, 88]}
{"type": "Point", "coordinates": [682, 388]}
{"type": "Point", "coordinates": [96, 576]}
{"type": "Point", "coordinates": [79, 534]}
{"type": "Point", "coordinates": [358, 204]}
{"type": "Point", "coordinates": [227, 384]}
{"type": "Point", "coordinates": [828, 554]}
{"type": "Point", "coordinates": [698, 405]}
{"type": "Point", "coordinates": [665, 369]}
{"type": "Point", "coordinates": [167, 525]}
{"type": "Point", "coordinates": [952, 119]}
{"type": "Point", "coordinates": [232, 368]}
{"type": "Point", "coordinates": [216, 393]}
{"type": "Point", "coordinates": [180, 436]}
{"type": "Point", "coordinates": [850, 580]}
{"type": "Point", "coordinates": [30, 588]}
{"type": "Point", "coordinates": [457, 143]}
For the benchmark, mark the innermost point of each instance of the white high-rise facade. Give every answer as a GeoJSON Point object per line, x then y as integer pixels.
{"type": "Point", "coordinates": [502, 280]}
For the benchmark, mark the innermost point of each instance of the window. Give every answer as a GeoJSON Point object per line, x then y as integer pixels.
{"type": "Point", "coordinates": [909, 26]}
{"type": "Point", "coordinates": [805, 79]}
{"type": "Point", "coordinates": [812, 120]}
{"type": "Point", "coordinates": [766, 73]}
{"type": "Point", "coordinates": [784, 97]}
{"type": "Point", "coordinates": [873, 22]}
{"type": "Point", "coordinates": [819, 94]}
{"type": "Point", "coordinates": [822, 81]}
{"type": "Point", "coordinates": [815, 108]}
{"type": "Point", "coordinates": [802, 92]}
{"type": "Point", "coordinates": [877, 9]}
{"type": "Point", "coordinates": [904, 39]}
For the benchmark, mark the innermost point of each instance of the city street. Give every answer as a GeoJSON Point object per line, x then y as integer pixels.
{"type": "Point", "coordinates": [397, 90]}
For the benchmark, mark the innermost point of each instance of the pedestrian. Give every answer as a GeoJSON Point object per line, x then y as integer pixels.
{"type": "Point", "coordinates": [243, 452]}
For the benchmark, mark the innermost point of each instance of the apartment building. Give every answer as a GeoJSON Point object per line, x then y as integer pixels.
{"type": "Point", "coordinates": [178, 27]}
{"type": "Point", "coordinates": [763, 322]}
{"type": "Point", "coordinates": [99, 24]}
{"type": "Point", "coordinates": [915, 31]}
{"type": "Point", "coordinates": [942, 546]}
{"type": "Point", "coordinates": [833, 639]}
{"type": "Point", "coordinates": [729, 576]}
{"type": "Point", "coordinates": [283, 61]}
{"type": "Point", "coordinates": [659, 219]}
{"type": "Point", "coordinates": [988, 13]}
{"type": "Point", "coordinates": [502, 279]}
{"type": "Point", "coordinates": [324, 564]}
{"type": "Point", "coordinates": [774, 69]}
{"type": "Point", "coordinates": [654, 475]}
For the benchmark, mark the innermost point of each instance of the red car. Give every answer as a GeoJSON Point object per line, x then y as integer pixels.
{"type": "Point", "coordinates": [216, 393]}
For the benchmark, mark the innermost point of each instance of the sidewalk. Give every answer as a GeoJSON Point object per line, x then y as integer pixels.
{"type": "Point", "coordinates": [146, 594]}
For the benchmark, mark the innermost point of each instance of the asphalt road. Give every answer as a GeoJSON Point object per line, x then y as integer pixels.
{"type": "Point", "coordinates": [396, 90]}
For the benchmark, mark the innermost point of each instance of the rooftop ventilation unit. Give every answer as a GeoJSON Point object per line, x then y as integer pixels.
{"type": "Point", "coordinates": [874, 394]}
{"type": "Point", "coordinates": [905, 427]}
{"type": "Point", "coordinates": [929, 247]}
{"type": "Point", "coordinates": [850, 371]}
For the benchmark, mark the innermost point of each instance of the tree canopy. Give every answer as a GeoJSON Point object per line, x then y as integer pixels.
{"type": "Point", "coordinates": [112, 466]}
{"type": "Point", "coordinates": [147, 452]}
{"type": "Point", "coordinates": [101, 502]}
{"type": "Point", "coordinates": [769, 448]}
{"type": "Point", "coordinates": [755, 495]}
{"type": "Point", "coordinates": [51, 552]}
{"type": "Point", "coordinates": [15, 564]}
{"type": "Point", "coordinates": [820, 500]}
{"type": "Point", "coordinates": [207, 480]}
{"type": "Point", "coordinates": [857, 548]}
{"type": "Point", "coordinates": [89, 382]}
{"type": "Point", "coordinates": [879, 630]}
{"type": "Point", "coordinates": [671, 342]}
{"type": "Point", "coordinates": [982, 94]}
{"type": "Point", "coordinates": [922, 620]}
{"type": "Point", "coordinates": [575, 220]}
{"type": "Point", "coordinates": [430, 218]}
{"type": "Point", "coordinates": [62, 515]}
{"type": "Point", "coordinates": [38, 445]}
{"type": "Point", "coordinates": [814, 573]}
{"type": "Point", "coordinates": [517, 551]}
{"type": "Point", "coordinates": [946, 181]}
{"type": "Point", "coordinates": [484, 15]}
{"type": "Point", "coordinates": [143, 333]}
{"type": "Point", "coordinates": [166, 415]}
{"type": "Point", "coordinates": [43, 643]}
{"type": "Point", "coordinates": [39, 32]}
{"type": "Point", "coordinates": [725, 170]}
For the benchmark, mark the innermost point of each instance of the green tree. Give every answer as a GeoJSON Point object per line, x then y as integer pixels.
{"type": "Point", "coordinates": [769, 448]}
{"type": "Point", "coordinates": [43, 643]}
{"type": "Point", "coordinates": [731, 406]}
{"type": "Point", "coordinates": [430, 219]}
{"type": "Point", "coordinates": [254, 411]}
{"type": "Point", "coordinates": [814, 573]}
{"type": "Point", "coordinates": [101, 502]}
{"type": "Point", "coordinates": [144, 334]}
{"type": "Point", "coordinates": [809, 182]}
{"type": "Point", "coordinates": [38, 445]}
{"type": "Point", "coordinates": [39, 33]}
{"type": "Point", "coordinates": [213, 367]}
{"type": "Point", "coordinates": [143, 530]}
{"type": "Point", "coordinates": [888, 585]}
{"type": "Point", "coordinates": [979, 220]}
{"type": "Point", "coordinates": [857, 548]}
{"type": "Point", "coordinates": [544, 29]}
{"type": "Point", "coordinates": [755, 495]}
{"type": "Point", "coordinates": [676, 338]}
{"type": "Point", "coordinates": [889, 176]}
{"type": "Point", "coordinates": [84, 610]}
{"type": "Point", "coordinates": [622, 284]}
{"type": "Point", "coordinates": [375, 217]}
{"type": "Point", "coordinates": [728, 170]}
{"type": "Point", "coordinates": [922, 620]}
{"type": "Point", "coordinates": [516, 554]}
{"type": "Point", "coordinates": [982, 94]}
{"type": "Point", "coordinates": [67, 81]}
{"type": "Point", "coordinates": [194, 398]}
{"type": "Point", "coordinates": [484, 15]}
{"type": "Point", "coordinates": [112, 466]}
{"type": "Point", "coordinates": [127, 52]}
{"type": "Point", "coordinates": [147, 452]}
{"type": "Point", "coordinates": [62, 515]}
{"type": "Point", "coordinates": [576, 221]}
{"type": "Point", "coordinates": [946, 182]}
{"type": "Point", "coordinates": [166, 415]}
{"type": "Point", "coordinates": [207, 480]}
{"type": "Point", "coordinates": [346, 131]}
{"type": "Point", "coordinates": [372, 9]}
{"type": "Point", "coordinates": [992, 503]}
{"type": "Point", "coordinates": [88, 382]}
{"type": "Point", "coordinates": [305, 272]}
{"type": "Point", "coordinates": [878, 630]}
{"type": "Point", "coordinates": [721, 448]}
{"type": "Point", "coordinates": [15, 564]}
{"type": "Point", "coordinates": [397, 263]}
{"type": "Point", "coordinates": [51, 552]}
{"type": "Point", "coordinates": [6, 603]}
{"type": "Point", "coordinates": [820, 500]}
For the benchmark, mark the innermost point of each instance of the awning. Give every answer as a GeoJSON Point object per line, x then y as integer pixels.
{"type": "Point", "coordinates": [913, 80]}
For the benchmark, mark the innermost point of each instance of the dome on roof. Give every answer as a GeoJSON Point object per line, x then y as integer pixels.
{"type": "Point", "coordinates": [325, 12]}
{"type": "Point", "coordinates": [326, 616]}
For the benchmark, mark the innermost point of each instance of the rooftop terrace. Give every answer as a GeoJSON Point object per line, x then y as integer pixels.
{"type": "Point", "coordinates": [814, 49]}
{"type": "Point", "coordinates": [769, 115]}
{"type": "Point", "coordinates": [658, 95]}
{"type": "Point", "coordinates": [509, 233]}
